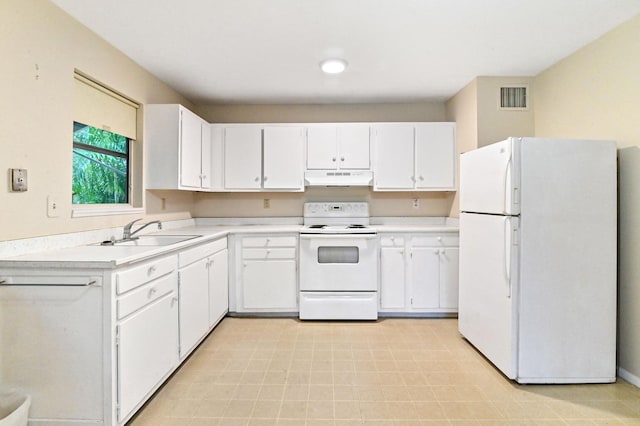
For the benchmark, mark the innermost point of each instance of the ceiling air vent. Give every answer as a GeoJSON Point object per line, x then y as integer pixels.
{"type": "Point", "coordinates": [513, 98]}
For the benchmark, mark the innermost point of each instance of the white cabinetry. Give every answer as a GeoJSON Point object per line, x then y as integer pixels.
{"type": "Point", "coordinates": [243, 157]}
{"type": "Point", "coordinates": [419, 273]}
{"type": "Point", "coordinates": [332, 147]}
{"type": "Point", "coordinates": [266, 274]}
{"type": "Point", "coordinates": [414, 156]}
{"type": "Point", "coordinates": [283, 158]}
{"type": "Point", "coordinates": [203, 291]}
{"type": "Point", "coordinates": [178, 153]}
{"type": "Point", "coordinates": [263, 158]}
{"type": "Point", "coordinates": [146, 331]}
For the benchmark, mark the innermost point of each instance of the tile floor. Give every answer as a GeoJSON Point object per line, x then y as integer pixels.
{"type": "Point", "coordinates": [258, 371]}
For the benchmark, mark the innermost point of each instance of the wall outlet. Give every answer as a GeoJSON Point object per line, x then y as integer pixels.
{"type": "Point", "coordinates": [53, 209]}
{"type": "Point", "coordinates": [267, 203]}
{"type": "Point", "coordinates": [18, 180]}
{"type": "Point", "coordinates": [416, 203]}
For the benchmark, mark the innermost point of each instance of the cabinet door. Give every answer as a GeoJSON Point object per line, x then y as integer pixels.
{"type": "Point", "coordinates": [193, 287]}
{"type": "Point", "coordinates": [269, 285]}
{"type": "Point", "coordinates": [218, 287]}
{"type": "Point", "coordinates": [392, 279]}
{"type": "Point", "coordinates": [425, 278]}
{"type": "Point", "coordinates": [147, 351]}
{"type": "Point", "coordinates": [215, 159]}
{"type": "Point", "coordinates": [283, 158]}
{"type": "Point", "coordinates": [449, 277]}
{"type": "Point", "coordinates": [353, 143]}
{"type": "Point", "coordinates": [205, 157]}
{"type": "Point", "coordinates": [190, 148]}
{"type": "Point", "coordinates": [394, 157]}
{"type": "Point", "coordinates": [435, 156]}
{"type": "Point", "coordinates": [322, 148]}
{"type": "Point", "coordinates": [243, 157]}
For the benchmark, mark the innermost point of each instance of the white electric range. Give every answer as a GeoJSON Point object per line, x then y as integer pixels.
{"type": "Point", "coordinates": [338, 262]}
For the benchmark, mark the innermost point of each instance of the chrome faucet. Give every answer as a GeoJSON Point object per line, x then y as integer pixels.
{"type": "Point", "coordinates": [128, 235]}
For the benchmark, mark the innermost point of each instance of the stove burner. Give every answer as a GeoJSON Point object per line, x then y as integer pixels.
{"type": "Point", "coordinates": [317, 226]}
{"type": "Point", "coordinates": [356, 226]}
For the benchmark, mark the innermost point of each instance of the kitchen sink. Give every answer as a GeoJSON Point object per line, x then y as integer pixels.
{"type": "Point", "coordinates": [151, 240]}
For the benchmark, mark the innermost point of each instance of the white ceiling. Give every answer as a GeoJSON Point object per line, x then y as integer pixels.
{"type": "Point", "coordinates": [268, 51]}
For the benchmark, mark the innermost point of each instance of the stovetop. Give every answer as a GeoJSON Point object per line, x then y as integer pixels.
{"type": "Point", "coordinates": [336, 218]}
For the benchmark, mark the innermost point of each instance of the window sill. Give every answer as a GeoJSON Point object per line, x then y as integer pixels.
{"type": "Point", "coordinates": [105, 210]}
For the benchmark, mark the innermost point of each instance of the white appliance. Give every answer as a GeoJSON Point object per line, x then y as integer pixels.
{"type": "Point", "coordinates": [538, 258]}
{"type": "Point", "coordinates": [338, 262]}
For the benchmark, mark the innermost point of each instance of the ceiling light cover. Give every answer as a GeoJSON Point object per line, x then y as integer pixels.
{"type": "Point", "coordinates": [333, 66]}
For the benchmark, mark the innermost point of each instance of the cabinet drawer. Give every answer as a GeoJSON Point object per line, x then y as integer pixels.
{"type": "Point", "coordinates": [146, 294]}
{"type": "Point", "coordinates": [288, 241]}
{"type": "Point", "coordinates": [391, 241]}
{"type": "Point", "coordinates": [276, 253]}
{"type": "Point", "coordinates": [189, 256]}
{"type": "Point", "coordinates": [435, 240]}
{"type": "Point", "coordinates": [138, 275]}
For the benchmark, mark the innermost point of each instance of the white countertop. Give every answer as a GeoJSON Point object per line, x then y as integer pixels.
{"type": "Point", "coordinates": [97, 256]}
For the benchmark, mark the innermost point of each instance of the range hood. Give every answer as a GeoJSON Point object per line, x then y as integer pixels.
{"type": "Point", "coordinates": [338, 178]}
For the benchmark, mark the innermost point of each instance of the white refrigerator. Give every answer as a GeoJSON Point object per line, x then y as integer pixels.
{"type": "Point", "coordinates": [538, 258]}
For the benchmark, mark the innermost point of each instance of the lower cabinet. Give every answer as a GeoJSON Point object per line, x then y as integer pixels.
{"type": "Point", "coordinates": [193, 287]}
{"type": "Point", "coordinates": [419, 273]}
{"type": "Point", "coordinates": [203, 287]}
{"type": "Point", "coordinates": [266, 274]}
{"type": "Point", "coordinates": [145, 356]}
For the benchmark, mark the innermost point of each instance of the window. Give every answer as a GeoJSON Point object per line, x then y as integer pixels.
{"type": "Point", "coordinates": [100, 166]}
{"type": "Point", "coordinates": [104, 131]}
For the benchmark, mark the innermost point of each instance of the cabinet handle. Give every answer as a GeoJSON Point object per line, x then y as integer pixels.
{"type": "Point", "coordinates": [413, 178]}
{"type": "Point", "coordinates": [256, 179]}
{"type": "Point", "coordinates": [152, 269]}
{"type": "Point", "coordinates": [265, 178]}
{"type": "Point", "coordinates": [333, 159]}
{"type": "Point", "coordinates": [421, 178]}
{"type": "Point", "coordinates": [152, 291]}
{"type": "Point", "coordinates": [341, 158]}
{"type": "Point", "coordinates": [439, 238]}
{"type": "Point", "coordinates": [436, 251]}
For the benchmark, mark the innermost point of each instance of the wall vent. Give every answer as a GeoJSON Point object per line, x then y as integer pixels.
{"type": "Point", "coordinates": [513, 98]}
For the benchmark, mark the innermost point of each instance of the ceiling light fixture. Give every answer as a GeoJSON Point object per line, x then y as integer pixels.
{"type": "Point", "coordinates": [333, 66]}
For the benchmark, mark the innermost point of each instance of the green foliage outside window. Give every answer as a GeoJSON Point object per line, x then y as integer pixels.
{"type": "Point", "coordinates": [100, 166]}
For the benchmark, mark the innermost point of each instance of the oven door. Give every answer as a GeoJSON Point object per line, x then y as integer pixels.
{"type": "Point", "coordinates": [345, 262]}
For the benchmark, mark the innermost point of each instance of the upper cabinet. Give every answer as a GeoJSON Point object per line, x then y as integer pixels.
{"type": "Point", "coordinates": [263, 158]}
{"type": "Point", "coordinates": [414, 157]}
{"type": "Point", "coordinates": [185, 152]}
{"type": "Point", "coordinates": [178, 149]}
{"type": "Point", "coordinates": [332, 147]}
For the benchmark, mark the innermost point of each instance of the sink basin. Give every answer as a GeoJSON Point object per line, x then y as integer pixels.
{"type": "Point", "coordinates": [153, 240]}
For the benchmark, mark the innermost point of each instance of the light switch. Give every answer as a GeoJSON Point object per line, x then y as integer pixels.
{"type": "Point", "coordinates": [52, 207]}
{"type": "Point", "coordinates": [18, 180]}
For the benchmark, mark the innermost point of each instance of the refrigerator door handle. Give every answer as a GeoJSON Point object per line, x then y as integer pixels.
{"type": "Point", "coordinates": [507, 184]}
{"type": "Point", "coordinates": [507, 254]}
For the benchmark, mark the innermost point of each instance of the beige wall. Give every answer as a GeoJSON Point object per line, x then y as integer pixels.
{"type": "Point", "coordinates": [594, 94]}
{"type": "Point", "coordinates": [463, 109]}
{"type": "Point", "coordinates": [425, 111]}
{"type": "Point", "coordinates": [290, 204]}
{"type": "Point", "coordinates": [41, 46]}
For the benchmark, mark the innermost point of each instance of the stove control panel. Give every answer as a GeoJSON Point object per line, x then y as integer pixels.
{"type": "Point", "coordinates": [336, 209]}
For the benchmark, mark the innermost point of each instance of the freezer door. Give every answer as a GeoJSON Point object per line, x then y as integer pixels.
{"type": "Point", "coordinates": [489, 179]}
{"type": "Point", "coordinates": [488, 291]}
